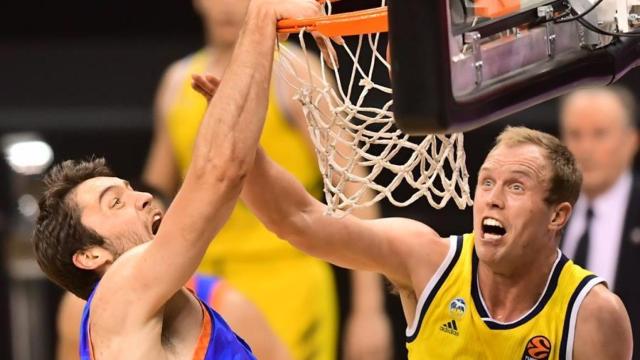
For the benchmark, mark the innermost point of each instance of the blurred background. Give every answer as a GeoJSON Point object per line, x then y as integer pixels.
{"type": "Point", "coordinates": [77, 79]}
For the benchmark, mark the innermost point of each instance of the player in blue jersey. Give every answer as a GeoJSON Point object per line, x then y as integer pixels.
{"type": "Point", "coordinates": [241, 314]}
{"type": "Point", "coordinates": [98, 238]}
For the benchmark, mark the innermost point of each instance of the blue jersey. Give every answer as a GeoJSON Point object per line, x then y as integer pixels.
{"type": "Point", "coordinates": [216, 342]}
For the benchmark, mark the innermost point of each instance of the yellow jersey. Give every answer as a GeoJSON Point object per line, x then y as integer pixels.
{"type": "Point", "coordinates": [452, 321]}
{"type": "Point", "coordinates": [243, 236]}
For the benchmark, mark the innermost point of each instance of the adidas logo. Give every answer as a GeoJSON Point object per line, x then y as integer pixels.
{"type": "Point", "coordinates": [450, 328]}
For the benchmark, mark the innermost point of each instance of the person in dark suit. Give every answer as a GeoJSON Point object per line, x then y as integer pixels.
{"type": "Point", "coordinates": [599, 127]}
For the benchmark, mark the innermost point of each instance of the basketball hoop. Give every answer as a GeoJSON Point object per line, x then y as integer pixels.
{"type": "Point", "coordinates": [355, 141]}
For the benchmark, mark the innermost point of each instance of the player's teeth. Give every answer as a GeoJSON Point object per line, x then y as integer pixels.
{"type": "Point", "coordinates": [491, 222]}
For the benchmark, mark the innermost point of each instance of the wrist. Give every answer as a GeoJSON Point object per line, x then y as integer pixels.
{"type": "Point", "coordinates": [261, 12]}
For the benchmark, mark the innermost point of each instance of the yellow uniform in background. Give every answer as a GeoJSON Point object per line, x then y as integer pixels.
{"type": "Point", "coordinates": [452, 321]}
{"type": "Point", "coordinates": [295, 292]}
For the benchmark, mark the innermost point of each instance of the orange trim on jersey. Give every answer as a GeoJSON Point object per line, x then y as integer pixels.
{"type": "Point", "coordinates": [205, 334]}
{"type": "Point", "coordinates": [191, 284]}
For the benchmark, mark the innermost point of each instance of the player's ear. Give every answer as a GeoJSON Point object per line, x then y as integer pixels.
{"type": "Point", "coordinates": [560, 216]}
{"type": "Point", "coordinates": [92, 258]}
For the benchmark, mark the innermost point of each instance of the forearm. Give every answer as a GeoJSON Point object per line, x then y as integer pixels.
{"type": "Point", "coordinates": [232, 124]}
{"type": "Point", "coordinates": [285, 207]}
{"type": "Point", "coordinates": [276, 197]}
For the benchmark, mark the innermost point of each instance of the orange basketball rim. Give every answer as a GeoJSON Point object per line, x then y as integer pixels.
{"type": "Point", "coordinates": [351, 23]}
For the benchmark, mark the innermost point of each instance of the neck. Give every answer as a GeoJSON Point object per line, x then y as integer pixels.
{"type": "Point", "coordinates": [508, 296]}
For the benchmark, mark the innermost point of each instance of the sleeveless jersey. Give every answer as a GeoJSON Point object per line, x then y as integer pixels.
{"type": "Point", "coordinates": [243, 236]}
{"type": "Point", "coordinates": [216, 342]}
{"type": "Point", "coordinates": [452, 321]}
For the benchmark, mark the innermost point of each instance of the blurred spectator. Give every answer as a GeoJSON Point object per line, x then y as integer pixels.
{"type": "Point", "coordinates": [295, 292]}
{"type": "Point", "coordinates": [599, 126]}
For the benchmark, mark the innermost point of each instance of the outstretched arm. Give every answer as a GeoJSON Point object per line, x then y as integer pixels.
{"type": "Point", "coordinates": [393, 247]}
{"type": "Point", "coordinates": [223, 154]}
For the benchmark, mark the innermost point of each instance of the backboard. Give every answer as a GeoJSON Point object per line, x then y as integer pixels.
{"type": "Point", "coordinates": [454, 65]}
{"type": "Point", "coordinates": [458, 64]}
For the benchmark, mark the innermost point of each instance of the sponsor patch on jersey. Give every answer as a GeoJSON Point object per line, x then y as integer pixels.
{"type": "Point", "coordinates": [450, 328]}
{"type": "Point", "coordinates": [457, 308]}
{"type": "Point", "coordinates": [538, 348]}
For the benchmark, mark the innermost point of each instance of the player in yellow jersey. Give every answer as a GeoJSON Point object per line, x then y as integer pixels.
{"type": "Point", "coordinates": [502, 292]}
{"type": "Point", "coordinates": [294, 291]}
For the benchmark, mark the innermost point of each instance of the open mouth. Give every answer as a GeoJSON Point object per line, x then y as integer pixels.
{"type": "Point", "coordinates": [492, 228]}
{"type": "Point", "coordinates": [155, 224]}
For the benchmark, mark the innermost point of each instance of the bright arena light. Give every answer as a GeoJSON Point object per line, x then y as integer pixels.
{"type": "Point", "coordinates": [28, 206]}
{"type": "Point", "coordinates": [29, 157]}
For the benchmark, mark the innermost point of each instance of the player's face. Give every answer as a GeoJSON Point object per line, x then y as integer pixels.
{"type": "Point", "coordinates": [124, 217]}
{"type": "Point", "coordinates": [222, 18]}
{"type": "Point", "coordinates": [596, 132]}
{"type": "Point", "coordinates": [511, 220]}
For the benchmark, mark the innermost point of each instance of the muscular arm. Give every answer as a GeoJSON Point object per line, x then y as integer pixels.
{"type": "Point", "coordinates": [603, 329]}
{"type": "Point", "coordinates": [223, 154]}
{"type": "Point", "coordinates": [393, 247]}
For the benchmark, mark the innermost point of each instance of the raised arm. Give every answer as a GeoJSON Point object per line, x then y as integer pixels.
{"type": "Point", "coordinates": [223, 154]}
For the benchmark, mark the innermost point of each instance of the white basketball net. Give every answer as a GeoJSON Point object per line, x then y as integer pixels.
{"type": "Point", "coordinates": [355, 142]}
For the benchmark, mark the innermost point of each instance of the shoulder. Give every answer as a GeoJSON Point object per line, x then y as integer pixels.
{"type": "Point", "coordinates": [171, 82]}
{"type": "Point", "coordinates": [603, 330]}
{"type": "Point", "coordinates": [117, 291]}
{"type": "Point", "coordinates": [177, 71]}
{"type": "Point", "coordinates": [600, 305]}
